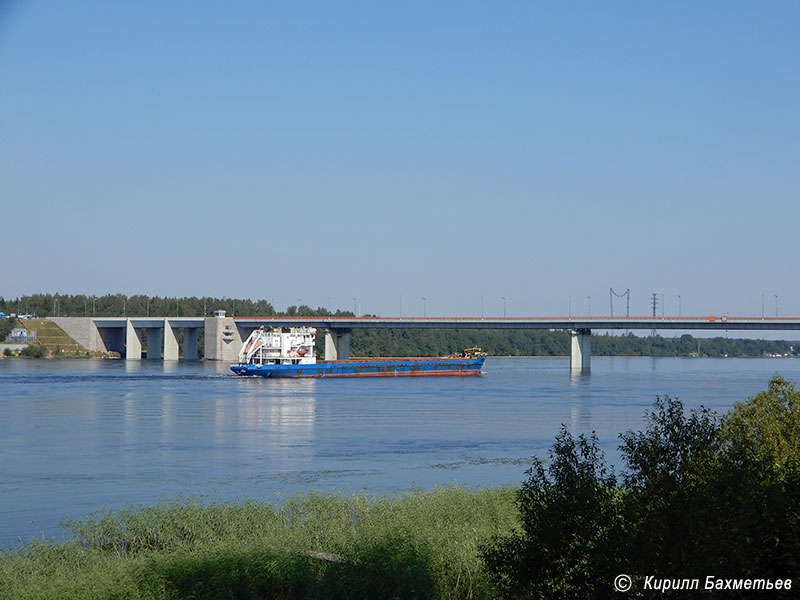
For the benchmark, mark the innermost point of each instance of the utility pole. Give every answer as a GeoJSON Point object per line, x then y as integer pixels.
{"type": "Point", "coordinates": [654, 304]}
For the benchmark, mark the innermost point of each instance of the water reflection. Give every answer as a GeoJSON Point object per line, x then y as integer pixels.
{"type": "Point", "coordinates": [133, 366]}
{"type": "Point", "coordinates": [281, 416]}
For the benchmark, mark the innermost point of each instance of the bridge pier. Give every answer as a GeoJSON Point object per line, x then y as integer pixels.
{"type": "Point", "coordinates": [581, 352]}
{"type": "Point", "coordinates": [170, 342]}
{"type": "Point", "coordinates": [189, 343]}
{"type": "Point", "coordinates": [337, 344]}
{"type": "Point", "coordinates": [133, 343]}
{"type": "Point", "coordinates": [154, 339]}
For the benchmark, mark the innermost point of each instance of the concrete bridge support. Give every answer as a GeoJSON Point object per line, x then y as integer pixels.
{"type": "Point", "coordinates": [337, 344]}
{"type": "Point", "coordinates": [189, 343]}
{"type": "Point", "coordinates": [170, 342]}
{"type": "Point", "coordinates": [581, 354]}
{"type": "Point", "coordinates": [133, 343]}
{"type": "Point", "coordinates": [224, 338]}
{"type": "Point", "coordinates": [154, 341]}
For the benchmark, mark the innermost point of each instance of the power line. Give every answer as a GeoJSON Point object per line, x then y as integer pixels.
{"type": "Point", "coordinates": [626, 294]}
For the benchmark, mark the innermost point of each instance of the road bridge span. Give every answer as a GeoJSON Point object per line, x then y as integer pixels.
{"type": "Point", "coordinates": [224, 335]}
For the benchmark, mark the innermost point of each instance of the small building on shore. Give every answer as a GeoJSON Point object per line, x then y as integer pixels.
{"type": "Point", "coordinates": [20, 335]}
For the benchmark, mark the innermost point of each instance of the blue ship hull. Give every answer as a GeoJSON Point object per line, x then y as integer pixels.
{"type": "Point", "coordinates": [408, 367]}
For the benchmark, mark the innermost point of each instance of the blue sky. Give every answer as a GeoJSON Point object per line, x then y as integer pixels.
{"type": "Point", "coordinates": [450, 151]}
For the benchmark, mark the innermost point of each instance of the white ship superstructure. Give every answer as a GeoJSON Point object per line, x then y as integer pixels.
{"type": "Point", "coordinates": [280, 346]}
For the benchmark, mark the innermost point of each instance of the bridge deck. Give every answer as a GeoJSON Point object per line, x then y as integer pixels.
{"type": "Point", "coordinates": [723, 323]}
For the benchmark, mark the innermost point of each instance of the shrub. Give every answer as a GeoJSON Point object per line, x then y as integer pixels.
{"type": "Point", "coordinates": [698, 498]}
{"type": "Point", "coordinates": [570, 537]}
{"type": "Point", "coordinates": [33, 351]}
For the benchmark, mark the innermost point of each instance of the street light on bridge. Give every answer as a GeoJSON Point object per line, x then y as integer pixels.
{"type": "Point", "coordinates": [504, 306]}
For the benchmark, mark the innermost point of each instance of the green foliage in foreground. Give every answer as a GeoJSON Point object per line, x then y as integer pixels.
{"type": "Point", "coordinates": [420, 545]}
{"type": "Point", "coordinates": [699, 497]}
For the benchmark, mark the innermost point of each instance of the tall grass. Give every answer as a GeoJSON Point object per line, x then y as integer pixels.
{"type": "Point", "coordinates": [419, 545]}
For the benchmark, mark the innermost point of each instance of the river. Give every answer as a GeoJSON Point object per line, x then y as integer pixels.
{"type": "Point", "coordinates": [78, 436]}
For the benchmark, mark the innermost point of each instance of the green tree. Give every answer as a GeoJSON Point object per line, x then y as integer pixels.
{"type": "Point", "coordinates": [768, 426]}
{"type": "Point", "coordinates": [569, 544]}
{"type": "Point", "coordinates": [33, 351]}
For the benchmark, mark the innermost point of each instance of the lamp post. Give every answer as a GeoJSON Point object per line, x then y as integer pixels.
{"type": "Point", "coordinates": [481, 307]}
{"type": "Point", "coordinates": [776, 305]}
{"type": "Point", "coordinates": [679, 305]}
{"type": "Point", "coordinates": [424, 306]}
{"type": "Point", "coordinates": [590, 305]}
{"type": "Point", "coordinates": [401, 306]}
{"type": "Point", "coordinates": [355, 307]}
{"type": "Point", "coordinates": [504, 306]}
{"type": "Point", "coordinates": [762, 305]}
{"type": "Point", "coordinates": [570, 306]}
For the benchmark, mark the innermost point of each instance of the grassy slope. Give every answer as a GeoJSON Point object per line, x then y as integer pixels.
{"type": "Point", "coordinates": [421, 545]}
{"type": "Point", "coordinates": [54, 338]}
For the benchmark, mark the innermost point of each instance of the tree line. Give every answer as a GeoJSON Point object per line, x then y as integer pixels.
{"type": "Point", "coordinates": [141, 305]}
{"type": "Point", "coordinates": [433, 342]}
{"type": "Point", "coordinates": [395, 342]}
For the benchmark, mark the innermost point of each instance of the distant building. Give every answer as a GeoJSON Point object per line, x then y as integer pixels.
{"type": "Point", "coordinates": [22, 336]}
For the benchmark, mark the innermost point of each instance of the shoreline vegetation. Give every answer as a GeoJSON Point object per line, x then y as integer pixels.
{"type": "Point", "coordinates": [699, 495]}
{"type": "Point", "coordinates": [371, 343]}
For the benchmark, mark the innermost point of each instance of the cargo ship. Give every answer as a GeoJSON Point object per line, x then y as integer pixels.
{"type": "Point", "coordinates": [290, 352]}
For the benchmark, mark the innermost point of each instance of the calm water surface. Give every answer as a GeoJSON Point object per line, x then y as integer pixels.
{"type": "Point", "coordinates": [81, 435]}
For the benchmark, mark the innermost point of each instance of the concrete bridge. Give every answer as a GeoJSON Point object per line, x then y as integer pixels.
{"type": "Point", "coordinates": [124, 335]}
{"type": "Point", "coordinates": [224, 335]}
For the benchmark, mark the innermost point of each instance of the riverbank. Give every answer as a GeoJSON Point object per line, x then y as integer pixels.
{"type": "Point", "coordinates": [418, 545]}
